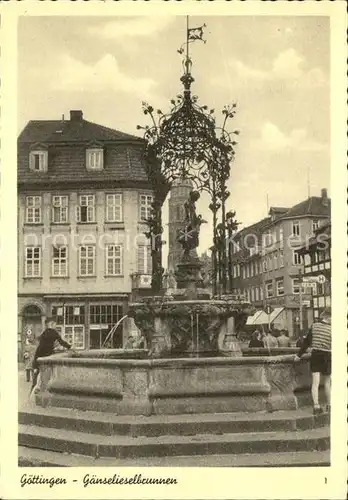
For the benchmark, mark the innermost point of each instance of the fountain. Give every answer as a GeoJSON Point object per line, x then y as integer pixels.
{"type": "Point", "coordinates": [194, 363]}
{"type": "Point", "coordinates": [189, 323]}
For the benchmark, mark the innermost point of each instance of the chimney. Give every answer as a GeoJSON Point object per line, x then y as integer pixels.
{"type": "Point", "coordinates": [76, 115]}
{"type": "Point", "coordinates": [324, 198]}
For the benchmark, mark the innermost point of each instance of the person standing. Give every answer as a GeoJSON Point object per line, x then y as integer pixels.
{"type": "Point", "coordinates": [256, 340]}
{"type": "Point", "coordinates": [269, 341]}
{"type": "Point", "coordinates": [47, 340]}
{"type": "Point", "coordinates": [28, 354]}
{"type": "Point", "coordinates": [319, 339]}
{"type": "Point", "coordinates": [283, 339]}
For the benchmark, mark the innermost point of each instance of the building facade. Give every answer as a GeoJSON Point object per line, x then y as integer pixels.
{"type": "Point", "coordinates": [268, 266]}
{"type": "Point", "coordinates": [316, 257]}
{"type": "Point", "coordinates": [246, 263]}
{"type": "Point", "coordinates": [83, 198]}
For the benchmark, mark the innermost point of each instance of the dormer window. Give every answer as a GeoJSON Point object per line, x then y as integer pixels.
{"type": "Point", "coordinates": [95, 159]}
{"type": "Point", "coordinates": [38, 161]}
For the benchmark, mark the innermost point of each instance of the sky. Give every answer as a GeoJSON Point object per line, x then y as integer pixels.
{"type": "Point", "coordinates": [277, 70]}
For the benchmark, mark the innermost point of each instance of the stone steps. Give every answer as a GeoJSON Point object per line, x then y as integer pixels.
{"type": "Point", "coordinates": [29, 457]}
{"type": "Point", "coordinates": [128, 447]}
{"type": "Point", "coordinates": [224, 423]}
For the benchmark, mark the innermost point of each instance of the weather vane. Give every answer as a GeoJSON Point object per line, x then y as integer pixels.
{"type": "Point", "coordinates": [192, 34]}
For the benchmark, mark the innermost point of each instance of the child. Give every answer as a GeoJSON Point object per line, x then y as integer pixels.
{"type": "Point", "coordinates": [28, 354]}
{"type": "Point", "coordinates": [319, 339]}
{"type": "Point", "coordinates": [46, 346]}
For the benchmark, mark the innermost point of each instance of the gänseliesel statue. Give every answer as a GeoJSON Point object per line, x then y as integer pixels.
{"type": "Point", "coordinates": [189, 237]}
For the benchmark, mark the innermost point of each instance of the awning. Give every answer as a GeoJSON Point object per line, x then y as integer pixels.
{"type": "Point", "coordinates": [252, 319]}
{"type": "Point", "coordinates": [261, 318]}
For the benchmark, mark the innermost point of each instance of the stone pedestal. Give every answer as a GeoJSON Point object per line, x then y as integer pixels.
{"type": "Point", "coordinates": [188, 276]}
{"type": "Point", "coordinates": [228, 342]}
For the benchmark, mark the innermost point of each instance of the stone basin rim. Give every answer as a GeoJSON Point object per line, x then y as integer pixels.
{"type": "Point", "coordinates": [169, 302]}
{"type": "Point", "coordinates": [65, 359]}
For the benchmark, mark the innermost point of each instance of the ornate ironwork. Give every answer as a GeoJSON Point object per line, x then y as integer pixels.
{"type": "Point", "coordinates": [185, 144]}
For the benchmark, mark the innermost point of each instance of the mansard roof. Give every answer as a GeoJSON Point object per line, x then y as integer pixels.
{"type": "Point", "coordinates": [67, 141]}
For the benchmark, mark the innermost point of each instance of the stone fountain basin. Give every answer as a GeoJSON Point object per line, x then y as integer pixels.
{"type": "Point", "coordinates": [173, 386]}
{"type": "Point", "coordinates": [173, 327]}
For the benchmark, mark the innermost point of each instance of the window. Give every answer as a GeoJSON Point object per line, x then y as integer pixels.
{"type": "Point", "coordinates": [264, 264]}
{"type": "Point", "coordinates": [281, 258]}
{"type": "Point", "coordinates": [32, 262]}
{"type": "Point", "coordinates": [307, 259]}
{"type": "Point", "coordinates": [102, 317]}
{"type": "Point", "coordinates": [144, 259]}
{"type": "Point", "coordinates": [275, 260]}
{"type": "Point", "coordinates": [295, 286]}
{"type": "Point", "coordinates": [261, 292]}
{"type": "Point", "coordinates": [85, 212]}
{"type": "Point", "coordinates": [297, 259]}
{"type": "Point", "coordinates": [253, 251]}
{"type": "Point", "coordinates": [269, 289]}
{"type": "Point", "coordinates": [38, 161]}
{"type": "Point", "coordinates": [114, 207]}
{"type": "Point", "coordinates": [60, 261]}
{"type": "Point", "coordinates": [74, 315]}
{"type": "Point", "coordinates": [145, 206]}
{"type": "Point", "coordinates": [267, 239]}
{"type": "Point", "coordinates": [33, 210]}
{"type": "Point", "coordinates": [59, 209]}
{"type": "Point", "coordinates": [75, 335]}
{"type": "Point", "coordinates": [270, 263]}
{"type": "Point", "coordinates": [247, 268]}
{"type": "Point", "coordinates": [114, 260]}
{"type": "Point", "coordinates": [281, 234]}
{"type": "Point", "coordinates": [257, 293]}
{"type": "Point", "coordinates": [70, 324]}
{"type": "Point", "coordinates": [280, 287]}
{"type": "Point", "coordinates": [296, 228]}
{"type": "Point", "coordinates": [87, 260]}
{"type": "Point", "coordinates": [94, 159]}
{"type": "Point", "coordinates": [321, 256]}
{"type": "Point", "coordinates": [178, 213]}
{"type": "Point", "coordinates": [238, 270]}
{"type": "Point", "coordinates": [315, 225]}
{"type": "Point", "coordinates": [252, 294]}
{"type": "Point", "coordinates": [243, 272]}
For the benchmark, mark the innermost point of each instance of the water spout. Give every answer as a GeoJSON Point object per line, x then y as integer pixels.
{"type": "Point", "coordinates": [113, 330]}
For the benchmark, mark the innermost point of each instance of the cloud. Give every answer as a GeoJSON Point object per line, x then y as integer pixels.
{"type": "Point", "coordinates": [273, 139]}
{"type": "Point", "coordinates": [288, 67]}
{"type": "Point", "coordinates": [105, 74]}
{"type": "Point", "coordinates": [131, 27]}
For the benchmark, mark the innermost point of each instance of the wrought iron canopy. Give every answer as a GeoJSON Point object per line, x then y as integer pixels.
{"type": "Point", "coordinates": [186, 143]}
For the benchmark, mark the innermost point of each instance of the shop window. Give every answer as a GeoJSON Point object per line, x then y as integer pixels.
{"type": "Point", "coordinates": [102, 318]}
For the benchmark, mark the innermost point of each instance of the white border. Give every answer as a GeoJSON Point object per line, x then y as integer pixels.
{"type": "Point", "coordinates": [282, 483]}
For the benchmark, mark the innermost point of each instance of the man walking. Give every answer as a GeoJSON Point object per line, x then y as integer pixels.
{"type": "Point", "coordinates": [46, 346]}
{"type": "Point", "coordinates": [319, 339]}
